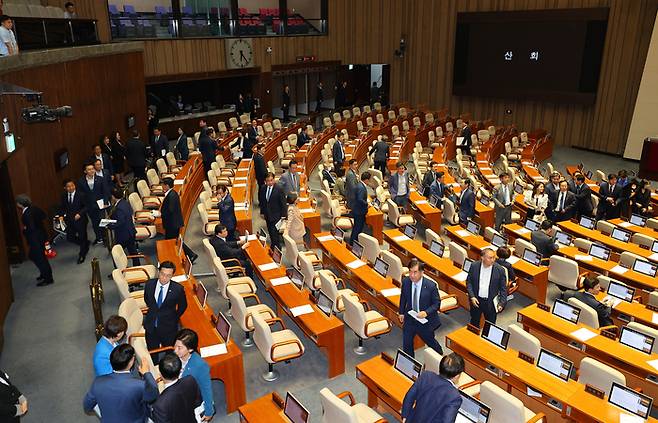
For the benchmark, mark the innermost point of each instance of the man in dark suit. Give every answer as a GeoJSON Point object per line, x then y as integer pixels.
{"type": "Point", "coordinates": [381, 154]}
{"type": "Point", "coordinates": [273, 207]}
{"type": "Point", "coordinates": [172, 216]}
{"type": "Point", "coordinates": [226, 207]}
{"type": "Point", "coordinates": [160, 145]}
{"type": "Point", "coordinates": [181, 145]}
{"type": "Point", "coordinates": [485, 282]}
{"type": "Point", "coordinates": [241, 146]}
{"type": "Point", "coordinates": [583, 195]}
{"type": "Point", "coordinates": [106, 160]}
{"type": "Point", "coordinates": [592, 288]}
{"type": "Point", "coordinates": [543, 240]}
{"type": "Point", "coordinates": [429, 178]}
{"type": "Point", "coordinates": [13, 404]}
{"type": "Point", "coordinates": [285, 102]}
{"type": "Point", "coordinates": [552, 188]}
{"type": "Point", "coordinates": [136, 156]}
{"type": "Point", "coordinates": [319, 97]}
{"type": "Point", "coordinates": [351, 179]}
{"type": "Point", "coordinates": [252, 130]}
{"type": "Point", "coordinates": [124, 228]}
{"type": "Point", "coordinates": [166, 303]}
{"type": "Point", "coordinates": [467, 142]}
{"type": "Point", "coordinates": [609, 204]}
{"type": "Point", "coordinates": [207, 148]}
{"type": "Point", "coordinates": [97, 197]}
{"type": "Point", "coordinates": [305, 136]}
{"type": "Point", "coordinates": [247, 147]}
{"type": "Point", "coordinates": [338, 155]}
{"type": "Point", "coordinates": [179, 398]}
{"type": "Point", "coordinates": [36, 236]}
{"type": "Point", "coordinates": [565, 205]}
{"type": "Point", "coordinates": [359, 206]}
{"type": "Point", "coordinates": [259, 164]}
{"type": "Point", "coordinates": [227, 249]}
{"type": "Point", "coordinates": [121, 396]}
{"type": "Point", "coordinates": [435, 398]}
{"type": "Point", "coordinates": [73, 212]}
{"type": "Point", "coordinates": [103, 174]}
{"type": "Point", "coordinates": [466, 202]}
{"type": "Point", "coordinates": [289, 180]}
{"type": "Point", "coordinates": [419, 296]}
{"type": "Point", "coordinates": [438, 188]}
{"type": "Point", "coordinates": [341, 95]}
{"type": "Point", "coordinates": [398, 186]}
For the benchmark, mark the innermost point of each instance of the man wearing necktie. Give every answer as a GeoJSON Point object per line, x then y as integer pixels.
{"type": "Point", "coordinates": [160, 144]}
{"type": "Point", "coordinates": [73, 212]}
{"type": "Point", "coordinates": [583, 194]}
{"type": "Point", "coordinates": [610, 193]}
{"type": "Point", "coordinates": [419, 296]}
{"type": "Point", "coordinates": [338, 155]}
{"type": "Point", "coordinates": [566, 203]}
{"type": "Point", "coordinates": [503, 200]}
{"type": "Point", "coordinates": [166, 303]}
{"type": "Point", "coordinates": [289, 181]}
{"type": "Point", "coordinates": [273, 207]}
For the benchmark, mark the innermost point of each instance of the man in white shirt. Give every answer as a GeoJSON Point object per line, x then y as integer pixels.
{"type": "Point", "coordinates": [8, 45]}
{"type": "Point", "coordinates": [486, 281]}
{"type": "Point", "coordinates": [398, 186]}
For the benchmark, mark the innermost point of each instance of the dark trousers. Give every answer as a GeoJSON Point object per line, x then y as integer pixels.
{"type": "Point", "coordinates": [160, 337]}
{"type": "Point", "coordinates": [207, 166]}
{"type": "Point", "coordinates": [173, 235]}
{"type": "Point", "coordinates": [359, 223]}
{"type": "Point", "coordinates": [139, 172]}
{"type": "Point", "coordinates": [286, 112]}
{"type": "Point", "coordinates": [401, 200]}
{"type": "Point", "coordinates": [381, 166]}
{"type": "Point", "coordinates": [38, 257]}
{"type": "Point", "coordinates": [318, 106]}
{"type": "Point", "coordinates": [131, 246]}
{"type": "Point", "coordinates": [95, 215]}
{"type": "Point", "coordinates": [410, 328]}
{"type": "Point", "coordinates": [275, 236]}
{"type": "Point", "coordinates": [77, 234]}
{"type": "Point", "coordinates": [487, 308]}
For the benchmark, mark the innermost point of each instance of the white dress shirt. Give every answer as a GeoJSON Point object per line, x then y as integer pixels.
{"type": "Point", "coordinates": [402, 185]}
{"type": "Point", "coordinates": [485, 280]}
{"type": "Point", "coordinates": [560, 201]}
{"type": "Point", "coordinates": [90, 182]}
{"type": "Point", "coordinates": [164, 288]}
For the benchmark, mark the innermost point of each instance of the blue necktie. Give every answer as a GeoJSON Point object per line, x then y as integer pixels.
{"type": "Point", "coordinates": [159, 303]}
{"type": "Point", "coordinates": [415, 299]}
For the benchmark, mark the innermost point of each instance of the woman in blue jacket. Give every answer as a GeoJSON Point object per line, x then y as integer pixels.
{"type": "Point", "coordinates": [185, 347]}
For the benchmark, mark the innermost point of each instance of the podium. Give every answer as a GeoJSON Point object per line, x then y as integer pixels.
{"type": "Point", "coordinates": [649, 159]}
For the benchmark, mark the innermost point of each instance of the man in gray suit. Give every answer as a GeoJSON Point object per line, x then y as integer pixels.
{"type": "Point", "coordinates": [503, 198]}
{"type": "Point", "coordinates": [398, 186]}
{"type": "Point", "coordinates": [381, 154]}
{"type": "Point", "coordinates": [351, 179]}
{"type": "Point", "coordinates": [289, 181]}
{"type": "Point", "coordinates": [543, 240]}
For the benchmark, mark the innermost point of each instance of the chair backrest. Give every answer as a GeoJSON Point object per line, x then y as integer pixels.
{"type": "Point", "coordinates": [405, 124]}
{"type": "Point", "coordinates": [416, 122]}
{"type": "Point", "coordinates": [221, 127]}
{"type": "Point", "coordinates": [449, 127]}
{"type": "Point", "coordinates": [369, 122]}
{"type": "Point", "coordinates": [520, 340]}
{"type": "Point", "coordinates": [171, 159]}
{"type": "Point", "coordinates": [328, 285]}
{"type": "Point", "coordinates": [276, 123]}
{"type": "Point", "coordinates": [306, 267]}
{"type": "Point", "coordinates": [221, 277]}
{"type": "Point", "coordinates": [239, 309]}
{"type": "Point", "coordinates": [439, 132]}
{"type": "Point", "coordinates": [646, 330]}
{"type": "Point", "coordinates": [588, 315]}
{"type": "Point", "coordinates": [642, 240]}
{"type": "Point", "coordinates": [431, 360]}
{"type": "Point", "coordinates": [356, 111]}
{"type": "Point", "coordinates": [327, 122]}
{"type": "Point", "coordinates": [209, 249]}
{"type": "Point", "coordinates": [336, 410]}
{"type": "Point", "coordinates": [599, 375]}
{"type": "Point", "coordinates": [394, 265]}
{"type": "Point", "coordinates": [354, 315]}
{"type": "Point", "coordinates": [393, 212]}
{"type": "Point", "coordinates": [449, 211]}
{"type": "Point", "coordinates": [367, 109]}
{"type": "Point", "coordinates": [143, 188]}
{"type": "Point", "coordinates": [457, 253]}
{"type": "Point", "coordinates": [582, 244]}
{"type": "Point", "coordinates": [430, 236]}
{"type": "Point", "coordinates": [563, 271]}
{"type": "Point", "coordinates": [429, 118]}
{"type": "Point", "coordinates": [627, 259]}
{"type": "Point", "coordinates": [380, 118]}
{"type": "Point", "coordinates": [267, 126]}
{"type": "Point", "coordinates": [346, 114]}
{"type": "Point", "coordinates": [371, 248]}
{"type": "Point", "coordinates": [605, 227]}
{"type": "Point", "coordinates": [292, 251]}
{"type": "Point", "coordinates": [129, 310]}
{"type": "Point", "coordinates": [244, 118]}
{"type": "Point", "coordinates": [262, 336]}
{"type": "Point", "coordinates": [119, 257]}
{"type": "Point", "coordinates": [152, 177]}
{"type": "Point", "coordinates": [135, 202]}
{"type": "Point", "coordinates": [233, 122]}
{"type": "Point", "coordinates": [651, 222]}
{"type": "Point", "coordinates": [121, 283]}
{"type": "Point", "coordinates": [520, 245]}
{"type": "Point", "coordinates": [161, 166]}
{"type": "Point", "coordinates": [391, 114]}
{"type": "Point", "coordinates": [505, 408]}
{"type": "Point", "coordinates": [336, 117]}
{"type": "Point", "coordinates": [395, 131]}
{"type": "Point", "coordinates": [378, 106]}
{"type": "Point", "coordinates": [653, 298]}
{"type": "Point", "coordinates": [403, 112]}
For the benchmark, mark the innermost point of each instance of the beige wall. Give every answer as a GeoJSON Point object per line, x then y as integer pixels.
{"type": "Point", "coordinates": [645, 116]}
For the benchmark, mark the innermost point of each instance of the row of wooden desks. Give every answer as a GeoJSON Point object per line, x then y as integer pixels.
{"type": "Point", "coordinates": [326, 332]}
{"type": "Point", "coordinates": [561, 336]}
{"type": "Point", "coordinates": [644, 230]}
{"type": "Point", "coordinates": [226, 367]}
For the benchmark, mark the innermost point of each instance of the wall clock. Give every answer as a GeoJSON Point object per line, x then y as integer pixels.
{"type": "Point", "coordinates": [239, 53]}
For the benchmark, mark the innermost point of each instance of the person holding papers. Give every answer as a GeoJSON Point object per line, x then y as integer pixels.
{"type": "Point", "coordinates": [180, 397]}
{"type": "Point", "coordinates": [435, 398]}
{"type": "Point", "coordinates": [226, 207]}
{"type": "Point", "coordinates": [592, 288]}
{"type": "Point", "coordinates": [419, 309]}
{"type": "Point", "coordinates": [166, 302]}
{"type": "Point", "coordinates": [186, 346]}
{"type": "Point", "coordinates": [124, 227]}
{"type": "Point", "coordinates": [97, 197]}
{"type": "Point", "coordinates": [273, 207]}
{"type": "Point", "coordinates": [503, 198]}
{"type": "Point", "coordinates": [485, 282]}
{"type": "Point", "coordinates": [227, 249]}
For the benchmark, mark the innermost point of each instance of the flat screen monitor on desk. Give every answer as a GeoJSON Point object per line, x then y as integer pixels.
{"type": "Point", "coordinates": [599, 251]}
{"type": "Point", "coordinates": [201, 293]}
{"type": "Point", "coordinates": [187, 265]}
{"type": "Point", "coordinates": [518, 188]}
{"type": "Point", "coordinates": [621, 291]}
{"type": "Point", "coordinates": [645, 267]}
{"type": "Point", "coordinates": [472, 410]}
{"type": "Point", "coordinates": [339, 234]}
{"type": "Point", "coordinates": [589, 175]}
{"type": "Point", "coordinates": [296, 277]}
{"type": "Point", "coordinates": [566, 311]}
{"type": "Point", "coordinates": [654, 247]}
{"type": "Point", "coordinates": [532, 257]}
{"type": "Point", "coordinates": [563, 238]}
{"type": "Point", "coordinates": [554, 364]}
{"type": "Point", "coordinates": [410, 231]}
{"type": "Point", "coordinates": [531, 225]}
{"type": "Point", "coordinates": [223, 326]}
{"type": "Point", "coordinates": [495, 334]}
{"type": "Point", "coordinates": [587, 222]}
{"type": "Point", "coordinates": [467, 264]}
{"type": "Point", "coordinates": [357, 249]}
{"type": "Point", "coordinates": [325, 304]}
{"type": "Point", "coordinates": [635, 339]}
{"type": "Point", "coordinates": [294, 411]}
{"type": "Point", "coordinates": [434, 200]}
{"type": "Point", "coordinates": [381, 267]}
{"type": "Point", "coordinates": [437, 248]}
{"type": "Point", "coordinates": [621, 235]}
{"type": "Point", "coordinates": [630, 400]}
{"type": "Point", "coordinates": [499, 240]}
{"type": "Point", "coordinates": [276, 255]}
{"type": "Point", "coordinates": [485, 200]}
{"type": "Point", "coordinates": [638, 220]}
{"type": "Point", "coordinates": [407, 365]}
{"type": "Point", "coordinates": [262, 236]}
{"type": "Point", "coordinates": [473, 227]}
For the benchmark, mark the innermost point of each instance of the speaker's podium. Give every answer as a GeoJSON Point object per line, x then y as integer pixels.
{"type": "Point", "coordinates": [649, 159]}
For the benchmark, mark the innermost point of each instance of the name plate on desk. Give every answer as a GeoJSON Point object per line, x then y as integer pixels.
{"type": "Point", "coordinates": [594, 391]}
{"type": "Point", "coordinates": [212, 350]}
{"type": "Point", "coordinates": [526, 357]}
{"type": "Point", "coordinates": [179, 181]}
{"type": "Point", "coordinates": [391, 292]}
{"type": "Point", "coordinates": [268, 266]}
{"type": "Point", "coordinates": [461, 276]}
{"type": "Point", "coordinates": [325, 238]}
{"type": "Point", "coordinates": [301, 310]}
{"type": "Point", "coordinates": [280, 281]}
{"type": "Point", "coordinates": [620, 270]}
{"type": "Point", "coordinates": [356, 264]}
{"type": "Point", "coordinates": [179, 278]}
{"type": "Point", "coordinates": [543, 307]}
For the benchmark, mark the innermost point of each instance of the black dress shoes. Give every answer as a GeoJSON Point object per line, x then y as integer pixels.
{"type": "Point", "coordinates": [46, 282]}
{"type": "Point", "coordinates": [81, 259]}
{"type": "Point", "coordinates": [40, 278]}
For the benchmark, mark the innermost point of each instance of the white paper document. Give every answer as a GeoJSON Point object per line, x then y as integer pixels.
{"type": "Point", "coordinates": [280, 281]}
{"type": "Point", "coordinates": [391, 292]}
{"type": "Point", "coordinates": [419, 202]}
{"type": "Point", "coordinates": [583, 257]}
{"type": "Point", "coordinates": [583, 334]}
{"type": "Point", "coordinates": [613, 301]}
{"type": "Point", "coordinates": [484, 247]}
{"type": "Point", "coordinates": [211, 350]}
{"type": "Point", "coordinates": [355, 264]}
{"type": "Point", "coordinates": [104, 222]}
{"type": "Point", "coordinates": [307, 211]}
{"type": "Point", "coordinates": [179, 181]}
{"type": "Point", "coordinates": [179, 278]}
{"type": "Point", "coordinates": [619, 269]}
{"type": "Point", "coordinates": [512, 259]}
{"type": "Point", "coordinates": [654, 257]}
{"type": "Point", "coordinates": [653, 363]}
{"type": "Point", "coordinates": [268, 266]}
{"type": "Point", "coordinates": [100, 204]}
{"type": "Point", "coordinates": [414, 314]}
{"type": "Point", "coordinates": [239, 185]}
{"type": "Point", "coordinates": [523, 231]}
{"type": "Point", "coordinates": [156, 213]}
{"type": "Point", "coordinates": [463, 233]}
{"type": "Point", "coordinates": [300, 310]}
{"type": "Point", "coordinates": [326, 238]}
{"type": "Point", "coordinates": [401, 238]}
{"type": "Point", "coordinates": [251, 237]}
{"type": "Point", "coordinates": [630, 418]}
{"type": "Point", "coordinates": [654, 318]}
{"type": "Point", "coordinates": [461, 276]}
{"type": "Point", "coordinates": [533, 393]}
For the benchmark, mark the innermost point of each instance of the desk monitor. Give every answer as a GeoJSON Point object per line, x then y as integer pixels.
{"type": "Point", "coordinates": [325, 304]}
{"type": "Point", "coordinates": [532, 257]}
{"type": "Point", "coordinates": [566, 311]}
{"type": "Point", "coordinates": [467, 264]}
{"type": "Point", "coordinates": [223, 326]}
{"type": "Point", "coordinates": [531, 225]}
{"type": "Point", "coordinates": [381, 267]}
{"type": "Point", "coordinates": [554, 364]}
{"type": "Point", "coordinates": [473, 227]}
{"type": "Point", "coordinates": [187, 265]}
{"type": "Point", "coordinates": [588, 175]}
{"type": "Point", "coordinates": [654, 247]}
{"type": "Point", "coordinates": [637, 340]}
{"type": "Point", "coordinates": [518, 188]}
{"type": "Point", "coordinates": [485, 200]}
{"type": "Point", "coordinates": [621, 235]}
{"type": "Point", "coordinates": [357, 249]}
{"type": "Point", "coordinates": [179, 245]}
{"type": "Point", "coordinates": [276, 255]}
{"type": "Point", "coordinates": [434, 200]}
{"type": "Point", "coordinates": [407, 365]}
{"type": "Point", "coordinates": [410, 231]}
{"type": "Point", "coordinates": [638, 220]}
{"type": "Point", "coordinates": [645, 267]}
{"type": "Point", "coordinates": [495, 334]}
{"type": "Point", "coordinates": [262, 236]}
{"type": "Point", "coordinates": [599, 251]}
{"type": "Point", "coordinates": [621, 291]}
{"type": "Point", "coordinates": [472, 410]}
{"type": "Point", "coordinates": [376, 203]}
{"type": "Point", "coordinates": [201, 293]}
{"type": "Point", "coordinates": [296, 277]}
{"type": "Point", "coordinates": [436, 248]}
{"type": "Point", "coordinates": [499, 240]}
{"type": "Point", "coordinates": [630, 400]}
{"type": "Point", "coordinates": [339, 234]}
{"type": "Point", "coordinates": [294, 410]}
{"type": "Point", "coordinates": [587, 222]}
{"type": "Point", "coordinates": [563, 238]}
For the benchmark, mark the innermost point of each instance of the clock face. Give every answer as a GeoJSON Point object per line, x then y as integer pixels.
{"type": "Point", "coordinates": [240, 53]}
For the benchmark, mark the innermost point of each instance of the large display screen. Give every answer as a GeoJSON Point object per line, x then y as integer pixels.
{"type": "Point", "coordinates": [548, 55]}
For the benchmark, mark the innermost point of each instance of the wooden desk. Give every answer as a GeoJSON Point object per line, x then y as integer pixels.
{"type": "Point", "coordinates": [242, 193]}
{"type": "Point", "coordinates": [375, 219]}
{"type": "Point", "coordinates": [386, 386]}
{"type": "Point", "coordinates": [423, 211]}
{"type": "Point", "coordinates": [326, 333]}
{"type": "Point", "coordinates": [555, 334]}
{"type": "Point", "coordinates": [516, 375]}
{"type": "Point", "coordinates": [533, 280]}
{"type": "Point", "coordinates": [650, 232]}
{"type": "Point", "coordinates": [226, 367]}
{"type": "Point", "coordinates": [532, 173]}
{"type": "Point", "coordinates": [593, 186]}
{"type": "Point", "coordinates": [261, 410]}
